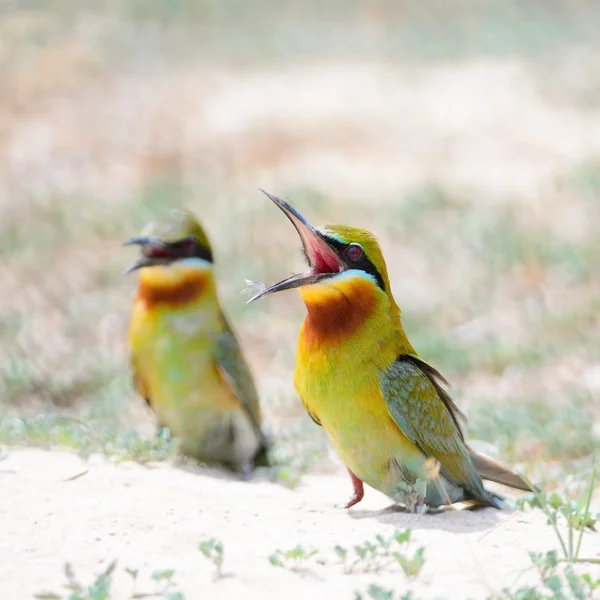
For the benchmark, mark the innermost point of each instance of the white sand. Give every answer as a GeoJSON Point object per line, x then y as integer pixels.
{"type": "Point", "coordinates": [154, 518]}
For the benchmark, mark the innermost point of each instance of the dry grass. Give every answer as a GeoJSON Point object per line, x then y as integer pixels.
{"type": "Point", "coordinates": [481, 178]}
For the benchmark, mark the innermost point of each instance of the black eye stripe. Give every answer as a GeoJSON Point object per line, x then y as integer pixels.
{"type": "Point", "coordinates": [184, 248]}
{"type": "Point", "coordinates": [362, 263]}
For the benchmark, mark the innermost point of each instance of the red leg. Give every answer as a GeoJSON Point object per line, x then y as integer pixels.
{"type": "Point", "coordinates": [359, 490]}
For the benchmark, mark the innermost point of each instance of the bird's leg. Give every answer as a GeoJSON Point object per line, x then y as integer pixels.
{"type": "Point", "coordinates": [359, 490]}
{"type": "Point", "coordinates": [246, 471]}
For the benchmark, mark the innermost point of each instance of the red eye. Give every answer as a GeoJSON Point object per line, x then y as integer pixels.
{"type": "Point", "coordinates": [354, 251]}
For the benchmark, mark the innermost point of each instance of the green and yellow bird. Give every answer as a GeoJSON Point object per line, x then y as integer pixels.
{"type": "Point", "coordinates": [383, 407]}
{"type": "Point", "coordinates": [186, 361]}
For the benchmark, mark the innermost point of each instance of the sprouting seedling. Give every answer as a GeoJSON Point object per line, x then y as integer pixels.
{"type": "Point", "coordinates": [212, 549]}
{"type": "Point", "coordinates": [577, 516]}
{"type": "Point", "coordinates": [555, 582]}
{"type": "Point", "coordinates": [376, 592]}
{"type": "Point", "coordinates": [411, 565]}
{"type": "Point", "coordinates": [294, 559]}
{"type": "Point", "coordinates": [164, 579]}
{"type": "Point", "coordinates": [133, 573]}
{"type": "Point", "coordinates": [98, 590]}
{"type": "Point", "coordinates": [373, 557]}
{"type": "Point", "coordinates": [164, 582]}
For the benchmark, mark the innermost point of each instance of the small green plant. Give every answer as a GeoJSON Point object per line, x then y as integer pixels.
{"type": "Point", "coordinates": [576, 515]}
{"type": "Point", "coordinates": [376, 592]}
{"type": "Point", "coordinates": [372, 557]}
{"type": "Point", "coordinates": [557, 584]}
{"type": "Point", "coordinates": [556, 505]}
{"type": "Point", "coordinates": [98, 590]}
{"type": "Point", "coordinates": [561, 581]}
{"type": "Point", "coordinates": [412, 495]}
{"type": "Point", "coordinates": [164, 580]}
{"type": "Point", "coordinates": [212, 549]}
{"type": "Point", "coordinates": [294, 559]}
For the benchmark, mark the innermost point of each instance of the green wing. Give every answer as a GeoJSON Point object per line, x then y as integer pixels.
{"type": "Point", "coordinates": [235, 370]}
{"type": "Point", "coordinates": [437, 379]}
{"type": "Point", "coordinates": [426, 415]}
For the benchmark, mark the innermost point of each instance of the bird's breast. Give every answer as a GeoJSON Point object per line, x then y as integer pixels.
{"type": "Point", "coordinates": [348, 338]}
{"type": "Point", "coordinates": [338, 310]}
{"type": "Point", "coordinates": [350, 406]}
{"type": "Point", "coordinates": [174, 287]}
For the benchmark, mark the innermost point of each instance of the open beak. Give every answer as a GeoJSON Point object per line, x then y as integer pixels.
{"type": "Point", "coordinates": [323, 260]}
{"type": "Point", "coordinates": [148, 244]}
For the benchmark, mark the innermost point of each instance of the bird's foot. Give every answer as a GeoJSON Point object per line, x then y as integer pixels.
{"type": "Point", "coordinates": [359, 490]}
{"type": "Point", "coordinates": [246, 471]}
{"type": "Point", "coordinates": [354, 499]}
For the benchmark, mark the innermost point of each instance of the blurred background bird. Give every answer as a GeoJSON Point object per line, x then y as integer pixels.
{"type": "Point", "coordinates": [186, 361]}
{"type": "Point", "coordinates": [384, 408]}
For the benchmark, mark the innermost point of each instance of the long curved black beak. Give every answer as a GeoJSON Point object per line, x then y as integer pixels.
{"type": "Point", "coordinates": [145, 260]}
{"type": "Point", "coordinates": [317, 249]}
{"type": "Point", "coordinates": [308, 234]}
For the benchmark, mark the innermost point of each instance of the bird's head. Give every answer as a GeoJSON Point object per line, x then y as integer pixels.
{"type": "Point", "coordinates": [175, 238]}
{"type": "Point", "coordinates": [332, 252]}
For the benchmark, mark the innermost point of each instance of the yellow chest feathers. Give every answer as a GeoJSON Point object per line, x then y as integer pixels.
{"type": "Point", "coordinates": [347, 338]}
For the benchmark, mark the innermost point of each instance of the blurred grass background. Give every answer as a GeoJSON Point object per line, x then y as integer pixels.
{"type": "Point", "coordinates": [465, 134]}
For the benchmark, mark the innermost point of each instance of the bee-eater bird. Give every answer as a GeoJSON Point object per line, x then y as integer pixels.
{"type": "Point", "coordinates": [186, 361]}
{"type": "Point", "coordinates": [383, 407]}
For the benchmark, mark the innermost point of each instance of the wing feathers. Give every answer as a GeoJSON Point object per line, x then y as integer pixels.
{"type": "Point", "coordinates": [236, 373]}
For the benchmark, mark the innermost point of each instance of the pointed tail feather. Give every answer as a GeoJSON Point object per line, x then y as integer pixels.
{"type": "Point", "coordinates": [494, 471]}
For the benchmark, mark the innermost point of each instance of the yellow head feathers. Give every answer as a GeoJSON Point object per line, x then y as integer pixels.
{"type": "Point", "coordinates": [177, 225]}
{"type": "Point", "coordinates": [174, 238]}
{"type": "Point", "coordinates": [373, 261]}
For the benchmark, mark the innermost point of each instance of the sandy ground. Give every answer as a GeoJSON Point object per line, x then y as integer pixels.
{"type": "Point", "coordinates": [153, 517]}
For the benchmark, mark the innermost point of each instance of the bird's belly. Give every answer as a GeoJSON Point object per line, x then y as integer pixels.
{"type": "Point", "coordinates": [207, 419]}
{"type": "Point", "coordinates": [363, 432]}
{"type": "Point", "coordinates": [187, 403]}
{"type": "Point", "coordinates": [189, 396]}
{"type": "Point", "coordinates": [377, 452]}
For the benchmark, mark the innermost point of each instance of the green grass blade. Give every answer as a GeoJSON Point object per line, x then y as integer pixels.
{"type": "Point", "coordinates": [587, 510]}
{"type": "Point", "coordinates": [544, 507]}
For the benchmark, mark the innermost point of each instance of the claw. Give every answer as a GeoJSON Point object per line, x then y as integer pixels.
{"type": "Point", "coordinates": [359, 490]}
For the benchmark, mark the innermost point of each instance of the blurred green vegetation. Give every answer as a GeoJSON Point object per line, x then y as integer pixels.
{"type": "Point", "coordinates": [265, 30]}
